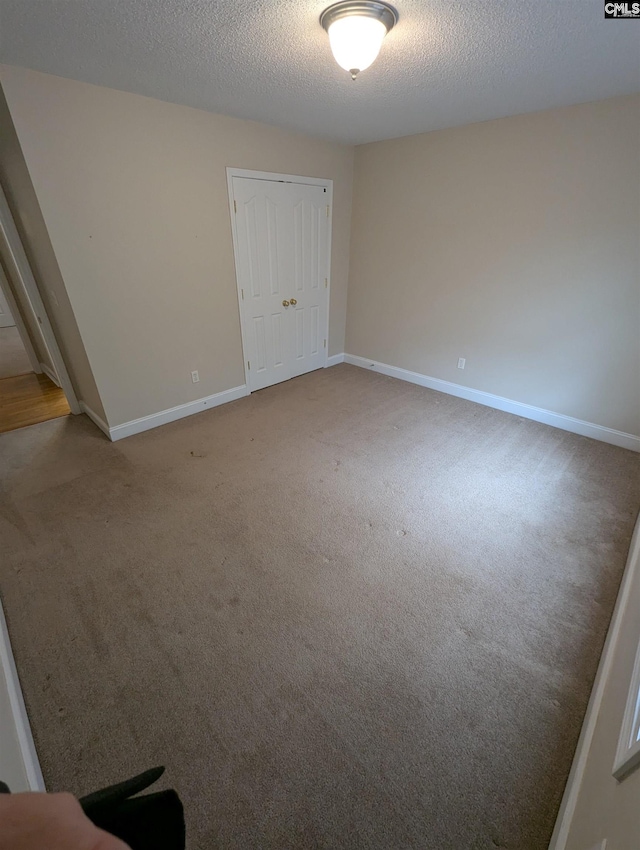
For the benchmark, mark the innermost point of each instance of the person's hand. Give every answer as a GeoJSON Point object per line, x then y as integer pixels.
{"type": "Point", "coordinates": [34, 821]}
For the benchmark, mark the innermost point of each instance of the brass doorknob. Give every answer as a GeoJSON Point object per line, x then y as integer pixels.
{"type": "Point", "coordinates": [285, 303]}
{"type": "Point", "coordinates": [293, 301]}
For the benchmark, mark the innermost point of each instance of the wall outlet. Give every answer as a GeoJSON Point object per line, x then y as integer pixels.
{"type": "Point", "coordinates": [461, 362]}
{"type": "Point", "coordinates": [195, 377]}
{"type": "Point", "coordinates": [54, 298]}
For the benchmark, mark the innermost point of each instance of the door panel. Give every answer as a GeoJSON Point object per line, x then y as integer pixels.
{"type": "Point", "coordinates": [299, 233]}
{"type": "Point", "coordinates": [262, 246]}
{"type": "Point", "coordinates": [282, 239]}
{"type": "Point", "coordinates": [260, 344]}
{"type": "Point", "coordinates": [314, 330]}
{"type": "Point", "coordinates": [278, 341]}
{"type": "Point", "coordinates": [252, 258]}
{"type": "Point", "coordinates": [299, 314]}
{"type": "Point", "coordinates": [311, 233]}
{"type": "Point", "coordinates": [272, 246]}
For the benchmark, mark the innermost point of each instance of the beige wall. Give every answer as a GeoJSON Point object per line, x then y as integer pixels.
{"type": "Point", "coordinates": [514, 244]}
{"type": "Point", "coordinates": [606, 808]}
{"type": "Point", "coordinates": [27, 215]}
{"type": "Point", "coordinates": [134, 194]}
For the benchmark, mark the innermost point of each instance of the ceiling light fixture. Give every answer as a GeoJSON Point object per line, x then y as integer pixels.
{"type": "Point", "coordinates": [356, 31]}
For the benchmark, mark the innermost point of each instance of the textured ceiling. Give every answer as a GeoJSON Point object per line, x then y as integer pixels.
{"type": "Point", "coordinates": [447, 62]}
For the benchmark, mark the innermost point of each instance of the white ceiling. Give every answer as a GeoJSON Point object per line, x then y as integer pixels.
{"type": "Point", "coordinates": [446, 63]}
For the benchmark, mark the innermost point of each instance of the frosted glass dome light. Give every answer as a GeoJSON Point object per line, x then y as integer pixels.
{"type": "Point", "coordinates": [356, 32]}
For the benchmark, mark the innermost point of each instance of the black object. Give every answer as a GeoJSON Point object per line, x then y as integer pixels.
{"type": "Point", "coordinates": [151, 822]}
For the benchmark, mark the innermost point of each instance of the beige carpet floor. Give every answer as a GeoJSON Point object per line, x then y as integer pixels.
{"type": "Point", "coordinates": [346, 612]}
{"type": "Point", "coordinates": [13, 357]}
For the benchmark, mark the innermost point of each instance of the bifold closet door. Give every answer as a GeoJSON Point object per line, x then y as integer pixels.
{"type": "Point", "coordinates": [282, 254]}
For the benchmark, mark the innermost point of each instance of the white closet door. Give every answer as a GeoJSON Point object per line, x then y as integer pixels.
{"type": "Point", "coordinates": [264, 236]}
{"type": "Point", "coordinates": [310, 235]}
{"type": "Point", "coordinates": [282, 240]}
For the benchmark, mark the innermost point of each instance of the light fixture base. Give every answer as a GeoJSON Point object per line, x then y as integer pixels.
{"type": "Point", "coordinates": [365, 8]}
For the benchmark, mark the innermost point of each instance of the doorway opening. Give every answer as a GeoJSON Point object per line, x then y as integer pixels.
{"type": "Point", "coordinates": [28, 395]}
{"type": "Point", "coordinates": [34, 383]}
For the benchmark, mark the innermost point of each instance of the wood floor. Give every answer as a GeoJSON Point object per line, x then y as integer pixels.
{"type": "Point", "coordinates": [29, 399]}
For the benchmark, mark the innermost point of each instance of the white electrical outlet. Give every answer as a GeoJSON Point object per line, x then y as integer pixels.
{"type": "Point", "coordinates": [195, 377]}
{"type": "Point", "coordinates": [461, 362]}
{"type": "Point", "coordinates": [54, 297]}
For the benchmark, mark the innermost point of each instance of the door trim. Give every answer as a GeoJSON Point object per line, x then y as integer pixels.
{"type": "Point", "coordinates": [274, 177]}
{"type": "Point", "coordinates": [18, 721]}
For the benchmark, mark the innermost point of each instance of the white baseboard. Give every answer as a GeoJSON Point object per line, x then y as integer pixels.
{"type": "Point", "coordinates": [50, 374]}
{"type": "Point", "coordinates": [145, 423]}
{"type": "Point", "coordinates": [334, 360]}
{"type": "Point", "coordinates": [527, 411]}
{"type": "Point", "coordinates": [19, 765]}
{"type": "Point", "coordinates": [572, 789]}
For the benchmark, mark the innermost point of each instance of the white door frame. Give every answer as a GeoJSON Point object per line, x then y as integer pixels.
{"type": "Point", "coordinates": [273, 177]}
{"type": "Point", "coordinates": [13, 251]}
